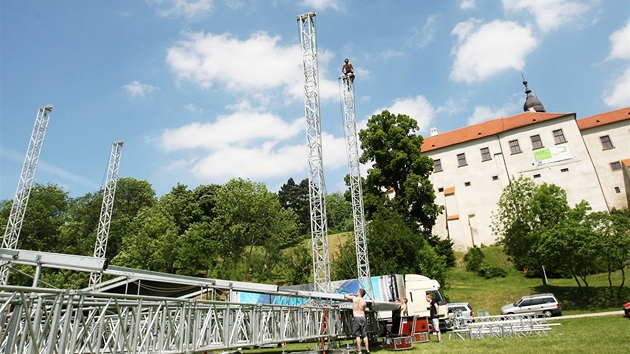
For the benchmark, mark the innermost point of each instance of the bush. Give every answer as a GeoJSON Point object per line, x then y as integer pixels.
{"type": "Point", "coordinates": [474, 259]}
{"type": "Point", "coordinates": [492, 272]}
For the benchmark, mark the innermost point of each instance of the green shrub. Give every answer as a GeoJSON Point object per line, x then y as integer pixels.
{"type": "Point", "coordinates": [492, 272]}
{"type": "Point", "coordinates": [474, 259]}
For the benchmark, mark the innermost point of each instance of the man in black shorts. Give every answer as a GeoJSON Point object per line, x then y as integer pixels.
{"type": "Point", "coordinates": [359, 323]}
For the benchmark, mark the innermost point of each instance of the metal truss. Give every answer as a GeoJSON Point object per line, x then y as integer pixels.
{"type": "Point", "coordinates": [107, 207]}
{"type": "Point", "coordinates": [18, 208]}
{"type": "Point", "coordinates": [346, 86]}
{"type": "Point", "coordinates": [317, 186]}
{"type": "Point", "coordinates": [37, 320]}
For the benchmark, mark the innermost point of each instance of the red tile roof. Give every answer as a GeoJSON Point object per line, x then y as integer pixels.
{"type": "Point", "coordinates": [491, 127]}
{"type": "Point", "coordinates": [604, 118]}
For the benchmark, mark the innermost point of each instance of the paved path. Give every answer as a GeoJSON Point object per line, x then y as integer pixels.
{"type": "Point", "coordinates": [590, 315]}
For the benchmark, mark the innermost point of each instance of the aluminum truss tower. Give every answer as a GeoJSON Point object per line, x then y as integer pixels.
{"type": "Point", "coordinates": [346, 87]}
{"type": "Point", "coordinates": [18, 208]}
{"type": "Point", "coordinates": [317, 187]}
{"type": "Point", "coordinates": [107, 207]}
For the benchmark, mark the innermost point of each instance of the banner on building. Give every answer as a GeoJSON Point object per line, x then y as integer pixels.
{"type": "Point", "coordinates": [552, 154]}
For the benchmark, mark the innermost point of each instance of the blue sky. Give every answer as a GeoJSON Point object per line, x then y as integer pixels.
{"type": "Point", "coordinates": [202, 91]}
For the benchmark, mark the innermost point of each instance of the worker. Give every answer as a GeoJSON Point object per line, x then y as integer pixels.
{"type": "Point", "coordinates": [359, 323]}
{"type": "Point", "coordinates": [348, 70]}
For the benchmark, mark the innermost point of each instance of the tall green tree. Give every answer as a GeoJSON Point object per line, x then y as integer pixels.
{"type": "Point", "coordinates": [250, 229]}
{"type": "Point", "coordinates": [399, 176]}
{"type": "Point", "coordinates": [339, 213]}
{"type": "Point", "coordinates": [613, 238]}
{"type": "Point", "coordinates": [391, 146]}
{"type": "Point", "coordinates": [525, 211]}
{"type": "Point", "coordinates": [393, 248]}
{"type": "Point", "coordinates": [295, 197]}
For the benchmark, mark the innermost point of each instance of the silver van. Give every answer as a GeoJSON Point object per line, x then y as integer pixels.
{"type": "Point", "coordinates": [540, 304]}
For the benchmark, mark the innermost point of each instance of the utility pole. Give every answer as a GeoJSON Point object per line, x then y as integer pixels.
{"type": "Point", "coordinates": [106, 208]}
{"type": "Point", "coordinates": [316, 184]}
{"type": "Point", "coordinates": [18, 208]}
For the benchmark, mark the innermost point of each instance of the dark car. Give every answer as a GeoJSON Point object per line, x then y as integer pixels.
{"type": "Point", "coordinates": [626, 309]}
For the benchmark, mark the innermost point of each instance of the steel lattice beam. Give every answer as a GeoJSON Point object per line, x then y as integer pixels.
{"type": "Point", "coordinates": [107, 207]}
{"type": "Point", "coordinates": [352, 148]}
{"type": "Point", "coordinates": [18, 208]}
{"type": "Point", "coordinates": [317, 186]}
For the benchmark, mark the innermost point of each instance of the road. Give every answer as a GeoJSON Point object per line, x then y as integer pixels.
{"type": "Point", "coordinates": [610, 313]}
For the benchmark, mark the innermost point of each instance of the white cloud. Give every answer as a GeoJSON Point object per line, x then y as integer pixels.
{"type": "Point", "coordinates": [467, 5]}
{"type": "Point", "coordinates": [191, 107]}
{"type": "Point", "coordinates": [417, 108]}
{"type": "Point", "coordinates": [549, 14]}
{"type": "Point", "coordinates": [322, 4]}
{"type": "Point", "coordinates": [244, 128]}
{"type": "Point", "coordinates": [620, 43]}
{"type": "Point", "coordinates": [259, 65]}
{"type": "Point", "coordinates": [484, 113]}
{"type": "Point", "coordinates": [136, 89]}
{"type": "Point", "coordinates": [190, 9]}
{"type": "Point", "coordinates": [423, 37]}
{"type": "Point", "coordinates": [618, 95]}
{"type": "Point", "coordinates": [248, 143]}
{"type": "Point", "coordinates": [484, 51]}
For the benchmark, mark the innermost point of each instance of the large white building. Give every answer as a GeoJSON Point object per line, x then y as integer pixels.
{"type": "Point", "coordinates": [589, 158]}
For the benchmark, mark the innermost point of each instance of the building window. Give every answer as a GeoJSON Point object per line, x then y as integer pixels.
{"type": "Point", "coordinates": [437, 165]}
{"type": "Point", "coordinates": [467, 184]}
{"type": "Point", "coordinates": [441, 189]}
{"type": "Point", "coordinates": [461, 160]}
{"type": "Point", "coordinates": [617, 190]}
{"type": "Point", "coordinates": [515, 147]}
{"type": "Point", "coordinates": [615, 166]}
{"type": "Point", "coordinates": [485, 154]}
{"type": "Point", "coordinates": [606, 142]}
{"type": "Point", "coordinates": [494, 178]}
{"type": "Point", "coordinates": [537, 175]}
{"type": "Point", "coordinates": [564, 170]}
{"type": "Point", "coordinates": [558, 136]}
{"type": "Point", "coordinates": [536, 142]}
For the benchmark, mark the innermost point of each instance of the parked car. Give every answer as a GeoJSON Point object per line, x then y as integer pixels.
{"type": "Point", "coordinates": [459, 309]}
{"type": "Point", "coordinates": [458, 314]}
{"type": "Point", "coordinates": [539, 304]}
{"type": "Point", "coordinates": [626, 309]}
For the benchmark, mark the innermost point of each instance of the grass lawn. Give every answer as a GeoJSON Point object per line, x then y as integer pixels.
{"type": "Point", "coordinates": [604, 334]}
{"type": "Point", "coordinates": [492, 294]}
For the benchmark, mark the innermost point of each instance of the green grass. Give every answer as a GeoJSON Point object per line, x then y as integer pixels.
{"type": "Point", "coordinates": [604, 334]}
{"type": "Point", "coordinates": [492, 294]}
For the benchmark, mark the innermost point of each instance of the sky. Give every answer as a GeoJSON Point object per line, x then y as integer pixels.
{"type": "Point", "coordinates": [203, 91]}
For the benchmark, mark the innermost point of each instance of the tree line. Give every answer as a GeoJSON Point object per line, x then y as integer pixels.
{"type": "Point", "coordinates": [546, 237]}
{"type": "Point", "coordinates": [243, 231]}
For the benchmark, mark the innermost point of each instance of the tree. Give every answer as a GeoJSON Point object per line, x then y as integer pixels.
{"type": "Point", "coordinates": [525, 211]}
{"type": "Point", "coordinates": [394, 248]}
{"type": "Point", "coordinates": [392, 147]}
{"type": "Point", "coordinates": [250, 229]}
{"type": "Point", "coordinates": [296, 198]}
{"type": "Point", "coordinates": [570, 245]}
{"type": "Point", "coordinates": [339, 213]}
{"type": "Point", "coordinates": [613, 237]}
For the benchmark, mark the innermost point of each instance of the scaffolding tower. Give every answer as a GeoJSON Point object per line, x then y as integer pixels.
{"type": "Point", "coordinates": [18, 208]}
{"type": "Point", "coordinates": [346, 87]}
{"type": "Point", "coordinates": [107, 207]}
{"type": "Point", "coordinates": [317, 187]}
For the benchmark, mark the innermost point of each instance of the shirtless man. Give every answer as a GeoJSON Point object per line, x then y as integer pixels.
{"type": "Point", "coordinates": [348, 70]}
{"type": "Point", "coordinates": [359, 324]}
{"type": "Point", "coordinates": [404, 311]}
